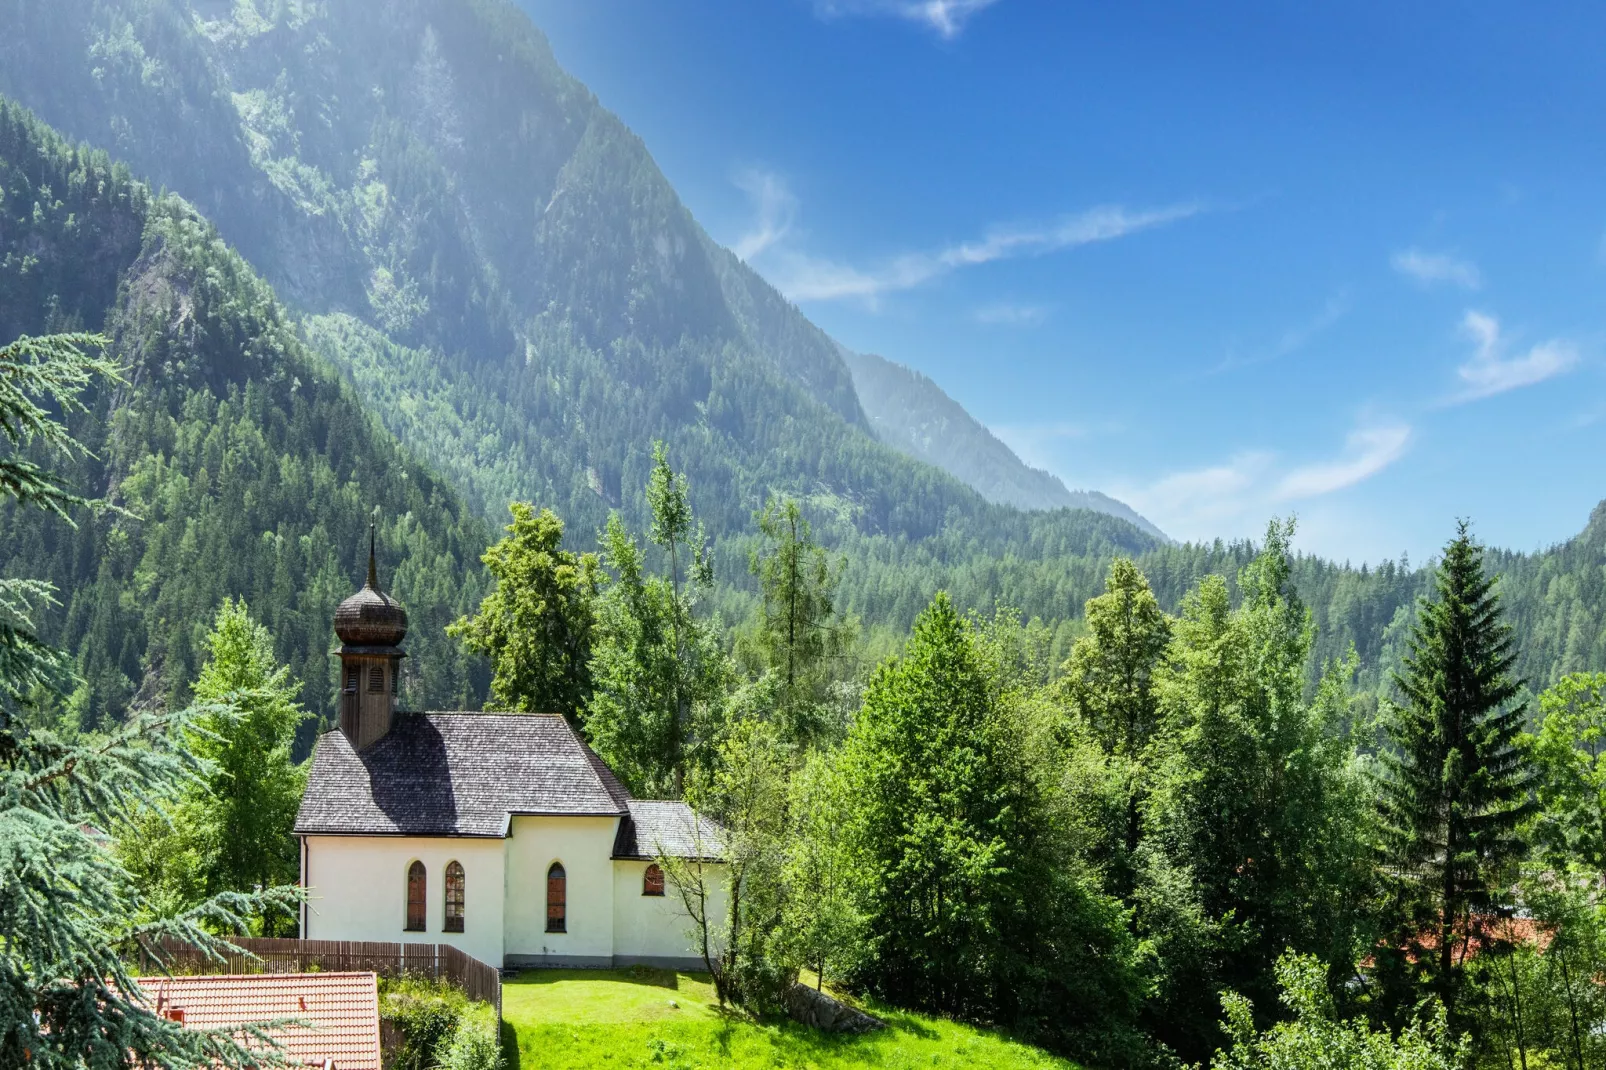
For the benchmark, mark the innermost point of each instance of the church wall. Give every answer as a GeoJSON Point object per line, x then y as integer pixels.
{"type": "Point", "coordinates": [584, 845]}
{"type": "Point", "coordinates": [358, 890]}
{"type": "Point", "coordinates": [656, 930]}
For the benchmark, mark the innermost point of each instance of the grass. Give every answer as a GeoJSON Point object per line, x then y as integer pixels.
{"type": "Point", "coordinates": [659, 1020]}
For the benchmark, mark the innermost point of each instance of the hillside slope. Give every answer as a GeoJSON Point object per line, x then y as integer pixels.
{"type": "Point", "coordinates": [910, 412]}
{"type": "Point", "coordinates": [246, 466]}
{"type": "Point", "coordinates": [492, 257]}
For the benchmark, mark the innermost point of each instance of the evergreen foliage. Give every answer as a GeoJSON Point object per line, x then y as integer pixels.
{"type": "Point", "coordinates": [537, 625]}
{"type": "Point", "coordinates": [1456, 787]}
{"type": "Point", "coordinates": [242, 466]}
{"type": "Point", "coordinates": [69, 911]}
{"type": "Point", "coordinates": [799, 632]}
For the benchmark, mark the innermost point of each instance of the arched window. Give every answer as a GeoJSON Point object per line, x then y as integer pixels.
{"type": "Point", "coordinates": [652, 883]}
{"type": "Point", "coordinates": [454, 898]}
{"type": "Point", "coordinates": [376, 679]}
{"type": "Point", "coordinates": [557, 915]}
{"type": "Point", "coordinates": [415, 897]}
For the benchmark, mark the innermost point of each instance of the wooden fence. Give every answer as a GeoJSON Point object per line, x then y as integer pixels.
{"type": "Point", "coordinates": [476, 979]}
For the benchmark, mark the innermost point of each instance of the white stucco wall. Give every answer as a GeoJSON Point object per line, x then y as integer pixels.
{"type": "Point", "coordinates": [651, 927]}
{"type": "Point", "coordinates": [357, 887]}
{"type": "Point", "coordinates": [584, 845]}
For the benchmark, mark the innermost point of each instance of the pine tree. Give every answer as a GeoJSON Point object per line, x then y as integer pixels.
{"type": "Point", "coordinates": [799, 630]}
{"type": "Point", "coordinates": [1455, 787]}
{"type": "Point", "coordinates": [69, 912]}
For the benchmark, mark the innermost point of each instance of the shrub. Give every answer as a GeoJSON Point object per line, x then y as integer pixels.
{"type": "Point", "coordinates": [426, 1013]}
{"type": "Point", "coordinates": [477, 1044]}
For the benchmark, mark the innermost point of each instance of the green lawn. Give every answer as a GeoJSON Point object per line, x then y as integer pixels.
{"type": "Point", "coordinates": [657, 1020]}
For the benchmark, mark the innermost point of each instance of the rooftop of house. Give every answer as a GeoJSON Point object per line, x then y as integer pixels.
{"type": "Point", "coordinates": [469, 774]}
{"type": "Point", "coordinates": [672, 829]}
{"type": "Point", "coordinates": [341, 1011]}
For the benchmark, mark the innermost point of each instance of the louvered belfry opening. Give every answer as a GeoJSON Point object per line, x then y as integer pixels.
{"type": "Point", "coordinates": [371, 626]}
{"type": "Point", "coordinates": [557, 896]}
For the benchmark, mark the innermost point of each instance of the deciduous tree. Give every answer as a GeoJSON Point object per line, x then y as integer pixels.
{"type": "Point", "coordinates": [537, 626]}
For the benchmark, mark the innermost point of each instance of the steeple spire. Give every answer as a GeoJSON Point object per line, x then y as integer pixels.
{"type": "Point", "coordinates": [373, 571]}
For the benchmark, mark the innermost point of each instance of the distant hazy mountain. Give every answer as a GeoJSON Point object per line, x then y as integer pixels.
{"type": "Point", "coordinates": [911, 413]}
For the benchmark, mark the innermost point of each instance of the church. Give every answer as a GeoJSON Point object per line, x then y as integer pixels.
{"type": "Point", "coordinates": [501, 834]}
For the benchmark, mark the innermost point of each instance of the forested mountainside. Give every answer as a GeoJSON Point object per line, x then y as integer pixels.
{"type": "Point", "coordinates": [513, 289]}
{"type": "Point", "coordinates": [243, 464]}
{"type": "Point", "coordinates": [491, 256]}
{"type": "Point", "coordinates": [909, 411]}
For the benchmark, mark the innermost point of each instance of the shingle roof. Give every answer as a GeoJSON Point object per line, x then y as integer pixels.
{"type": "Point", "coordinates": [455, 774]}
{"type": "Point", "coordinates": [341, 1009]}
{"type": "Point", "coordinates": [651, 829]}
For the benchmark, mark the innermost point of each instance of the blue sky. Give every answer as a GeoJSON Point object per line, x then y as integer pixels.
{"type": "Point", "coordinates": [1222, 261]}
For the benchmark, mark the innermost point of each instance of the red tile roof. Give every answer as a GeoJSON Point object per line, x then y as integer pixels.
{"type": "Point", "coordinates": [342, 1010]}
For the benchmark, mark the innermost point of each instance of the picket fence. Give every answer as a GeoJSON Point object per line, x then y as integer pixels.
{"type": "Point", "coordinates": [477, 980]}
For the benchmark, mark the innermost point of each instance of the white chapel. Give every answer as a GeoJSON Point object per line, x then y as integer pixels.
{"type": "Point", "coordinates": [501, 834]}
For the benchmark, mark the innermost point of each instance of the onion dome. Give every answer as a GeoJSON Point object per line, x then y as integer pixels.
{"type": "Point", "coordinates": [371, 617]}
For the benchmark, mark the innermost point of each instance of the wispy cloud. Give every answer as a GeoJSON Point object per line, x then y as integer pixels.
{"type": "Point", "coordinates": [1367, 451]}
{"type": "Point", "coordinates": [946, 17]}
{"type": "Point", "coordinates": [1004, 313]}
{"type": "Point", "coordinates": [802, 276]}
{"type": "Point", "coordinates": [1432, 268]}
{"type": "Point", "coordinates": [774, 208]}
{"type": "Point", "coordinates": [1237, 495]}
{"type": "Point", "coordinates": [1490, 372]}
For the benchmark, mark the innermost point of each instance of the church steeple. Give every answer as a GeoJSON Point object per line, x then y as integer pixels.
{"type": "Point", "coordinates": [371, 626]}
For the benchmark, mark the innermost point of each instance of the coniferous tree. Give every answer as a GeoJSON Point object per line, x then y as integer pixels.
{"type": "Point", "coordinates": [1109, 684]}
{"type": "Point", "coordinates": [537, 625]}
{"type": "Point", "coordinates": [69, 912]}
{"type": "Point", "coordinates": [1455, 786]}
{"type": "Point", "coordinates": [799, 630]}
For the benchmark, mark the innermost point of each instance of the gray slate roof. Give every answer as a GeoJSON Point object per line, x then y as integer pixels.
{"type": "Point", "coordinates": [651, 829]}
{"type": "Point", "coordinates": [455, 774]}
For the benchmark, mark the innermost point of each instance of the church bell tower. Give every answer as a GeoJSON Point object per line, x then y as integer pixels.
{"type": "Point", "coordinates": [371, 625]}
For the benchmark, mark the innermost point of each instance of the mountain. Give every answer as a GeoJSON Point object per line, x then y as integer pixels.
{"type": "Point", "coordinates": [242, 464]}
{"type": "Point", "coordinates": [491, 257]}
{"type": "Point", "coordinates": [911, 413]}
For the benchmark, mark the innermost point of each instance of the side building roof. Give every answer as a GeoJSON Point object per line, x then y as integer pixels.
{"type": "Point", "coordinates": [455, 774]}
{"type": "Point", "coordinates": [340, 1012]}
{"type": "Point", "coordinates": [651, 829]}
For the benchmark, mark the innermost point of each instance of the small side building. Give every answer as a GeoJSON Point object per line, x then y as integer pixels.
{"type": "Point", "coordinates": [501, 834]}
{"type": "Point", "coordinates": [340, 1012]}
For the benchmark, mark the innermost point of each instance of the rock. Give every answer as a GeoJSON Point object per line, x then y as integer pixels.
{"type": "Point", "coordinates": [820, 1011]}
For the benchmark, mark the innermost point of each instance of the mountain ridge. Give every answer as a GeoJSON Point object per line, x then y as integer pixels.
{"type": "Point", "coordinates": [911, 412]}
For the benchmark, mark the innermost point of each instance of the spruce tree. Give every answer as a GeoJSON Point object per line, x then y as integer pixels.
{"type": "Point", "coordinates": [70, 915]}
{"type": "Point", "coordinates": [1455, 787]}
{"type": "Point", "coordinates": [799, 629]}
